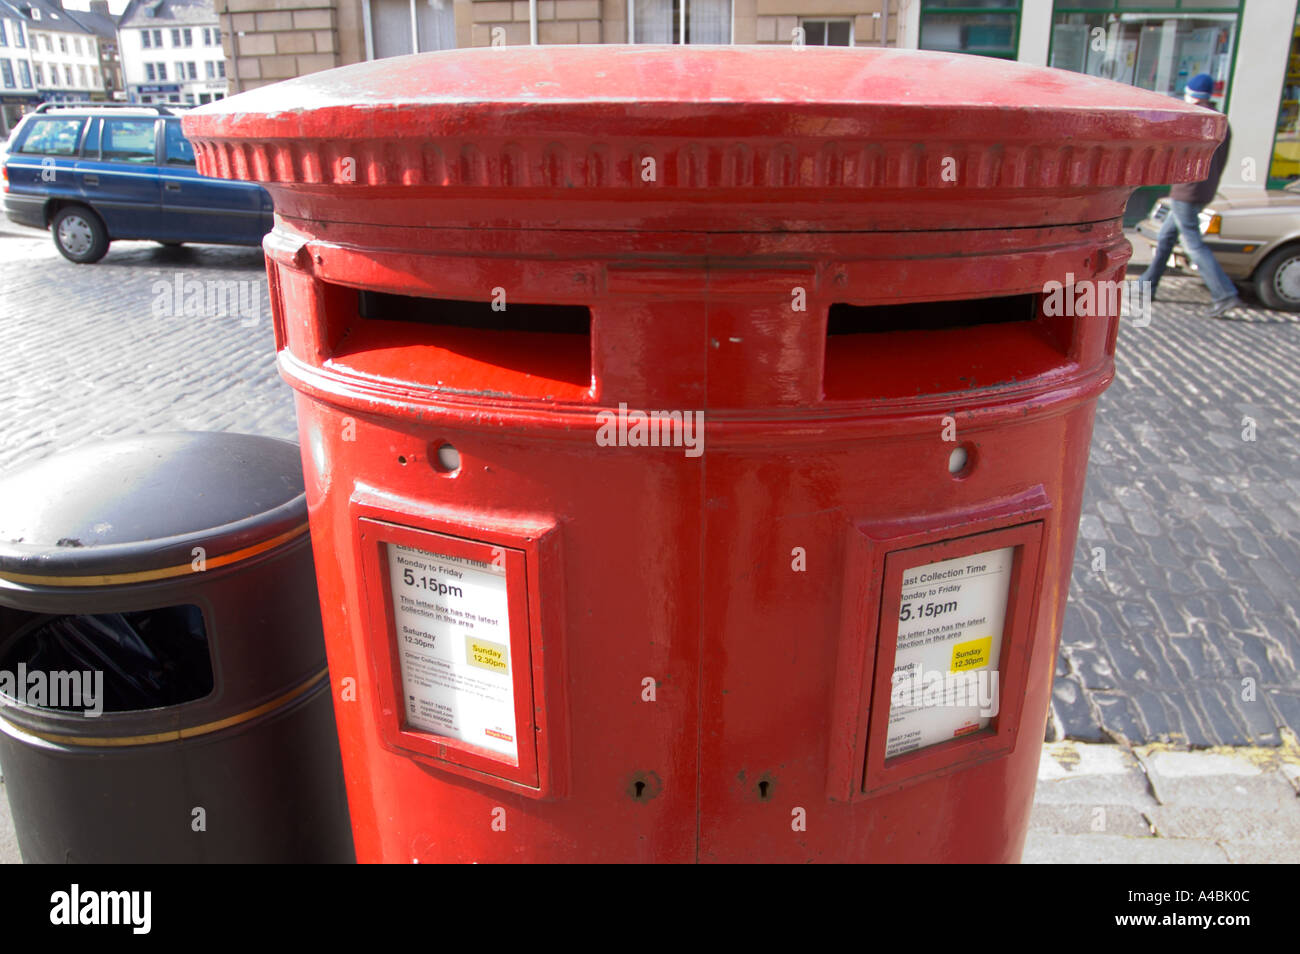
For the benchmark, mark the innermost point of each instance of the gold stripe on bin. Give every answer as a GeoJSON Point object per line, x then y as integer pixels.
{"type": "Point", "coordinates": [175, 735]}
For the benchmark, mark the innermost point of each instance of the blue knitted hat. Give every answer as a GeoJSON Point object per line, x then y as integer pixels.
{"type": "Point", "coordinates": [1201, 85]}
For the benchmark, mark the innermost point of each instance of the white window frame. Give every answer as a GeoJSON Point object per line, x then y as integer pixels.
{"type": "Point", "coordinates": [681, 23]}
{"type": "Point", "coordinates": [415, 26]}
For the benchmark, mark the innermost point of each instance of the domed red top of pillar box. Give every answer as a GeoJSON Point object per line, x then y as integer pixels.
{"type": "Point", "coordinates": [692, 138]}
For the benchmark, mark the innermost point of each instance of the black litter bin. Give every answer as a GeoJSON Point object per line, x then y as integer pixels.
{"type": "Point", "coordinates": [163, 689]}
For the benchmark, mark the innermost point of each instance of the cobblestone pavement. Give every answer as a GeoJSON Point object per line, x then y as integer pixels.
{"type": "Point", "coordinates": [1190, 633]}
{"type": "Point", "coordinates": [91, 351]}
{"type": "Point", "coordinates": [1198, 525]}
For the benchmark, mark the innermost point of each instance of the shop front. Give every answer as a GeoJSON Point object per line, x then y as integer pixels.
{"type": "Point", "coordinates": [1150, 44]}
{"type": "Point", "coordinates": [12, 108]}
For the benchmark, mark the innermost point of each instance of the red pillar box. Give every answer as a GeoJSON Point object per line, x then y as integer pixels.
{"type": "Point", "coordinates": [694, 438]}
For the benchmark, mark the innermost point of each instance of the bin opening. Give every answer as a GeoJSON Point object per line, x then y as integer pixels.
{"type": "Point", "coordinates": [940, 347]}
{"type": "Point", "coordinates": [524, 349]}
{"type": "Point", "coordinates": [113, 662]}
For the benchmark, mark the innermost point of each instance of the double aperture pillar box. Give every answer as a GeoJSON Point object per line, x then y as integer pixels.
{"type": "Point", "coordinates": [695, 438]}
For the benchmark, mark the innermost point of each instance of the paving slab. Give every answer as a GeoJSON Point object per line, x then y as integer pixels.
{"type": "Point", "coordinates": [1242, 822]}
{"type": "Point", "coordinates": [1225, 780]}
{"type": "Point", "coordinates": [1047, 848]}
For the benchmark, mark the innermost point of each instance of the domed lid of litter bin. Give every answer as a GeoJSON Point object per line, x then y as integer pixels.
{"type": "Point", "coordinates": [134, 508]}
{"type": "Point", "coordinates": [555, 132]}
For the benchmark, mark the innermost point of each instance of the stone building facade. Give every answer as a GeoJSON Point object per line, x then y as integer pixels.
{"type": "Point", "coordinates": [270, 40]}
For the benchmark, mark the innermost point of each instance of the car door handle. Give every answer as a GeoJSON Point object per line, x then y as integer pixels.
{"type": "Point", "coordinates": [91, 179]}
{"type": "Point", "coordinates": [172, 186]}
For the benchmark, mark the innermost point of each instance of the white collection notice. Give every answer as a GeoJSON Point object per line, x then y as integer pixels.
{"type": "Point", "coordinates": [950, 620]}
{"type": "Point", "coordinates": [453, 637]}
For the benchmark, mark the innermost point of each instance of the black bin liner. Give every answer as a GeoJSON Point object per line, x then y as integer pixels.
{"type": "Point", "coordinates": [150, 658]}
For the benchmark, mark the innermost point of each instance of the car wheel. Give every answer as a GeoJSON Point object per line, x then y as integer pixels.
{"type": "Point", "coordinates": [1277, 282]}
{"type": "Point", "coordinates": [79, 235]}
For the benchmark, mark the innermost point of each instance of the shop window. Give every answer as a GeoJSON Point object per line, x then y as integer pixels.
{"type": "Point", "coordinates": [1154, 50]}
{"type": "Point", "coordinates": [1285, 167]}
{"type": "Point", "coordinates": [984, 27]}
{"type": "Point", "coordinates": [391, 24]}
{"type": "Point", "coordinates": [827, 32]}
{"type": "Point", "coordinates": [662, 21]}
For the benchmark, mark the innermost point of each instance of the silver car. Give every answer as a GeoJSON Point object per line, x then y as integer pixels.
{"type": "Point", "coordinates": [1255, 238]}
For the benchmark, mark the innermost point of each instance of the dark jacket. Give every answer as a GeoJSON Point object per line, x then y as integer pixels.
{"type": "Point", "coordinates": [1199, 193]}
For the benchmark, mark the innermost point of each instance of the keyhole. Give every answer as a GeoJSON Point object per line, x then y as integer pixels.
{"type": "Point", "coordinates": [763, 788]}
{"type": "Point", "coordinates": [643, 786]}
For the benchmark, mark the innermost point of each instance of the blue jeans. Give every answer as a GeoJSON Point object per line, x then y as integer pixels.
{"type": "Point", "coordinates": [1182, 220]}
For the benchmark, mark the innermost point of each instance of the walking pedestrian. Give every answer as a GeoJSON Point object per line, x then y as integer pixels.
{"type": "Point", "coordinates": [1186, 201]}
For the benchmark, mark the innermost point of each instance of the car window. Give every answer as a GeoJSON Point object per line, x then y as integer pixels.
{"type": "Point", "coordinates": [179, 150]}
{"type": "Point", "coordinates": [52, 137]}
{"type": "Point", "coordinates": [128, 140]}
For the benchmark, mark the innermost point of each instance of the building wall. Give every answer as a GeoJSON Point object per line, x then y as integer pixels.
{"type": "Point", "coordinates": [14, 54]}
{"type": "Point", "coordinates": [83, 62]}
{"type": "Point", "coordinates": [1266, 27]}
{"type": "Point", "coordinates": [1035, 32]}
{"type": "Point", "coordinates": [558, 21]}
{"type": "Point", "coordinates": [110, 67]}
{"type": "Point", "coordinates": [135, 55]}
{"type": "Point", "coordinates": [270, 40]}
{"type": "Point", "coordinates": [605, 21]}
{"type": "Point", "coordinates": [774, 21]}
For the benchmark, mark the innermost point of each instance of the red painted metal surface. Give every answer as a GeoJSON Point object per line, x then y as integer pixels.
{"type": "Point", "coordinates": [827, 179]}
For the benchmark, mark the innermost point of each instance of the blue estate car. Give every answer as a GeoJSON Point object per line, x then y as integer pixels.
{"type": "Point", "coordinates": [93, 173]}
